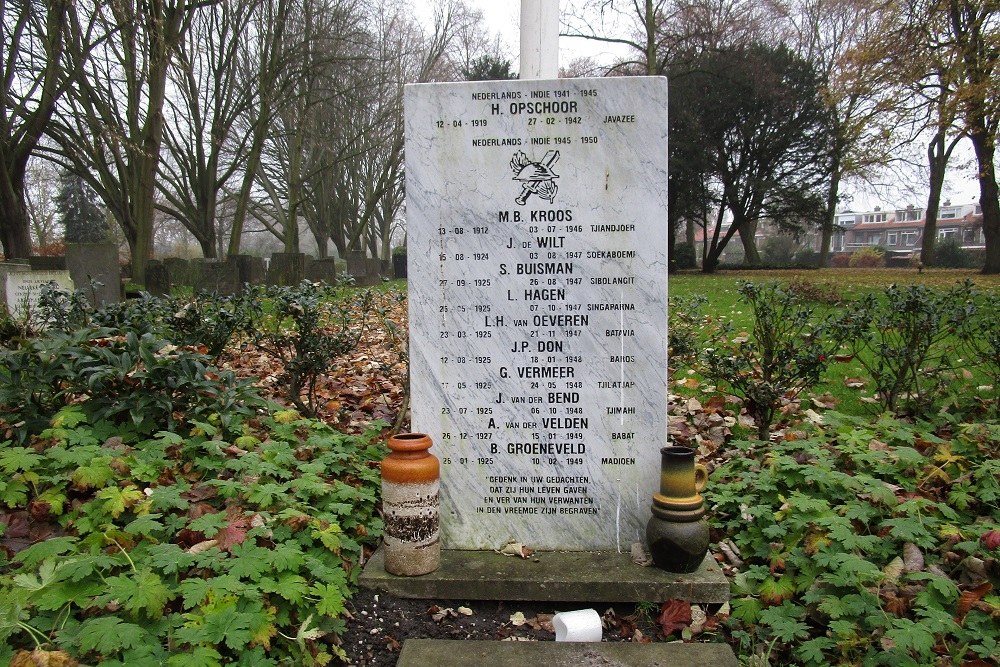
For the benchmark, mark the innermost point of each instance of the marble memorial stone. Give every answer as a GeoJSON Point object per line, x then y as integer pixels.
{"type": "Point", "coordinates": [22, 289]}
{"type": "Point", "coordinates": [537, 261]}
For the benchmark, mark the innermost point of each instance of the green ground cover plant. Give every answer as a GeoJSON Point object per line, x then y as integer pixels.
{"type": "Point", "coordinates": [154, 509]}
{"type": "Point", "coordinates": [185, 548]}
{"type": "Point", "coordinates": [864, 543]}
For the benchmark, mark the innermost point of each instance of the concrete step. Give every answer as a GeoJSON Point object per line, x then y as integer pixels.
{"type": "Point", "coordinates": [565, 576]}
{"type": "Point", "coordinates": [448, 653]}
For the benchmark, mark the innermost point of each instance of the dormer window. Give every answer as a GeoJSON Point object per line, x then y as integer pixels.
{"type": "Point", "coordinates": [875, 217]}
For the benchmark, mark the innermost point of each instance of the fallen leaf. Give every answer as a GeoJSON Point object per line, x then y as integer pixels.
{"type": "Point", "coordinates": [442, 614]}
{"type": "Point", "coordinates": [894, 570]}
{"type": "Point", "coordinates": [235, 530]}
{"type": "Point", "coordinates": [969, 598]}
{"type": "Point", "coordinates": [854, 383]}
{"type": "Point", "coordinates": [913, 559]}
{"type": "Point", "coordinates": [897, 606]}
{"type": "Point", "coordinates": [814, 416]}
{"type": "Point", "coordinates": [698, 619]}
{"type": "Point", "coordinates": [991, 539]}
{"type": "Point", "coordinates": [40, 658]}
{"type": "Point", "coordinates": [639, 638]}
{"type": "Point", "coordinates": [877, 446]}
{"type": "Point", "coordinates": [517, 549]}
{"type": "Point", "coordinates": [541, 622]}
{"type": "Point", "coordinates": [204, 545]}
{"type": "Point", "coordinates": [464, 611]}
{"type": "Point", "coordinates": [640, 556]}
{"type": "Point", "coordinates": [674, 615]}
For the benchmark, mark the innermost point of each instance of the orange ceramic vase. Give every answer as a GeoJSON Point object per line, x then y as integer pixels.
{"type": "Point", "coordinates": [410, 484]}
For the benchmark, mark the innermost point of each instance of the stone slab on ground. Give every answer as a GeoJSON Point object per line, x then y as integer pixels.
{"type": "Point", "coordinates": [550, 575]}
{"type": "Point", "coordinates": [444, 652]}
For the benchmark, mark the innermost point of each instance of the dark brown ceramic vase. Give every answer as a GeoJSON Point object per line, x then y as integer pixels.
{"type": "Point", "coordinates": [677, 532]}
{"type": "Point", "coordinates": [410, 484]}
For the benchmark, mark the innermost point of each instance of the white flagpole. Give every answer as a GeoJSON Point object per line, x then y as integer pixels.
{"type": "Point", "coordinates": [539, 39]}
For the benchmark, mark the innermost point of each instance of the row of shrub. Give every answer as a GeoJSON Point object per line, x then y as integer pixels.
{"type": "Point", "coordinates": [782, 252]}
{"type": "Point", "coordinates": [921, 348]}
{"type": "Point", "coordinates": [303, 327]}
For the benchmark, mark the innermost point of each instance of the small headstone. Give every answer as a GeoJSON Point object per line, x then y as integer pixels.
{"type": "Point", "coordinates": [97, 262]}
{"type": "Point", "coordinates": [215, 276]}
{"type": "Point", "coordinates": [286, 268]}
{"type": "Point", "coordinates": [322, 270]}
{"type": "Point", "coordinates": [21, 289]}
{"type": "Point", "coordinates": [357, 264]}
{"type": "Point", "coordinates": [157, 278]}
{"type": "Point", "coordinates": [179, 270]}
{"type": "Point", "coordinates": [250, 270]}
{"type": "Point", "coordinates": [47, 262]}
{"type": "Point", "coordinates": [399, 266]}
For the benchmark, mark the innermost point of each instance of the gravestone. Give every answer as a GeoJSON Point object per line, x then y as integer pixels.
{"type": "Point", "coordinates": [322, 270]}
{"type": "Point", "coordinates": [214, 276]}
{"type": "Point", "coordinates": [96, 262]}
{"type": "Point", "coordinates": [179, 271]}
{"type": "Point", "coordinates": [21, 289]}
{"type": "Point", "coordinates": [157, 278]}
{"type": "Point", "coordinates": [47, 262]}
{"type": "Point", "coordinates": [537, 292]}
{"type": "Point", "coordinates": [357, 263]}
{"type": "Point", "coordinates": [251, 270]}
{"type": "Point", "coordinates": [286, 268]}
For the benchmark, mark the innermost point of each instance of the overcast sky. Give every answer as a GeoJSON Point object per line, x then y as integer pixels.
{"type": "Point", "coordinates": [502, 18]}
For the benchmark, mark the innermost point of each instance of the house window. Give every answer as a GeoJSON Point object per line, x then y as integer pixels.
{"type": "Point", "coordinates": [875, 217]}
{"type": "Point", "coordinates": [908, 215]}
{"type": "Point", "coordinates": [970, 236]}
{"type": "Point", "coordinates": [891, 238]}
{"type": "Point", "coordinates": [948, 213]}
{"type": "Point", "coordinates": [909, 238]}
{"type": "Point", "coordinates": [948, 233]}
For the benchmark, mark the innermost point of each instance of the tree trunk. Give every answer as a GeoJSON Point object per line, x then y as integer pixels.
{"type": "Point", "coordinates": [748, 232]}
{"type": "Point", "coordinates": [989, 195]}
{"type": "Point", "coordinates": [16, 237]}
{"type": "Point", "coordinates": [830, 219]}
{"type": "Point", "coordinates": [936, 161]}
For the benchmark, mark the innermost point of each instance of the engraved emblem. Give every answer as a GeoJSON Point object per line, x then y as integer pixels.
{"type": "Point", "coordinates": [536, 178]}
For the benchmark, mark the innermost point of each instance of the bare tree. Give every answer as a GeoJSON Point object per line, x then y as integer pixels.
{"type": "Point", "coordinates": [204, 148]}
{"type": "Point", "coordinates": [40, 189]}
{"type": "Point", "coordinates": [111, 130]}
{"type": "Point", "coordinates": [32, 76]}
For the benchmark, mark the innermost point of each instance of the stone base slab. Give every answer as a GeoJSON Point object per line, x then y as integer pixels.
{"type": "Point", "coordinates": [443, 652]}
{"type": "Point", "coordinates": [558, 576]}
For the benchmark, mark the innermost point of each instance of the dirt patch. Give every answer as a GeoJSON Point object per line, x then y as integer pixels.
{"type": "Point", "coordinates": [381, 623]}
